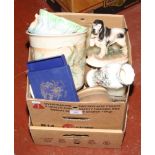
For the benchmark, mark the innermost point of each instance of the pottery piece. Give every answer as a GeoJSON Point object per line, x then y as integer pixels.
{"type": "Point", "coordinates": [94, 94]}
{"type": "Point", "coordinates": [99, 63]}
{"type": "Point", "coordinates": [71, 45]}
{"type": "Point", "coordinates": [103, 37]}
{"type": "Point", "coordinates": [112, 76]}
{"type": "Point", "coordinates": [117, 92]}
{"type": "Point", "coordinates": [114, 55]}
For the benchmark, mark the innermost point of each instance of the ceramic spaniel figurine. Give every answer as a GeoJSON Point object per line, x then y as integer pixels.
{"type": "Point", "coordinates": [103, 37]}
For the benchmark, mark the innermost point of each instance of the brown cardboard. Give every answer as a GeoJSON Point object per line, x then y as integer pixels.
{"type": "Point", "coordinates": [97, 115]}
{"type": "Point", "coordinates": [56, 136]}
{"type": "Point", "coordinates": [80, 5]}
{"type": "Point", "coordinates": [107, 3]}
{"type": "Point", "coordinates": [105, 6]}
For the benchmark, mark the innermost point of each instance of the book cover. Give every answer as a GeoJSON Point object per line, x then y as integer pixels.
{"type": "Point", "coordinates": [52, 83]}
{"type": "Point", "coordinates": [52, 62]}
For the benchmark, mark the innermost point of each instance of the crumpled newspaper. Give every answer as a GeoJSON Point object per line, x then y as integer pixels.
{"type": "Point", "coordinates": [47, 23]}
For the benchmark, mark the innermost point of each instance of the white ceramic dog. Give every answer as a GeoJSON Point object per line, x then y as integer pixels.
{"type": "Point", "coordinates": [103, 37]}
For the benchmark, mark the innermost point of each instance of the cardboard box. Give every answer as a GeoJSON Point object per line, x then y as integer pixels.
{"type": "Point", "coordinates": [56, 136]}
{"type": "Point", "coordinates": [79, 5]}
{"type": "Point", "coordinates": [114, 6]}
{"type": "Point", "coordinates": [98, 6]}
{"type": "Point", "coordinates": [96, 115]}
{"type": "Point", "coordinates": [107, 3]}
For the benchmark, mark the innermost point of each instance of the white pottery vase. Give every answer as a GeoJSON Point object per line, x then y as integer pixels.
{"type": "Point", "coordinates": [113, 76]}
{"type": "Point", "coordinates": [72, 46]}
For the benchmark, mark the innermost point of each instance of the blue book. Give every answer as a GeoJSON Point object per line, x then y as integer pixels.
{"type": "Point", "coordinates": [53, 81]}
{"type": "Point", "coordinates": [46, 63]}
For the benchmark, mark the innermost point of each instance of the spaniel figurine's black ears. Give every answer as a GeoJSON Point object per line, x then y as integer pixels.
{"type": "Point", "coordinates": [101, 33]}
{"type": "Point", "coordinates": [98, 28]}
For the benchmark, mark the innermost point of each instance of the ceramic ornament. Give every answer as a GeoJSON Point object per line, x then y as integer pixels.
{"type": "Point", "coordinates": [99, 63]}
{"type": "Point", "coordinates": [52, 35]}
{"type": "Point", "coordinates": [112, 76]}
{"type": "Point", "coordinates": [94, 94]}
{"type": "Point", "coordinates": [119, 92]}
{"type": "Point", "coordinates": [106, 45]}
{"type": "Point", "coordinates": [102, 37]}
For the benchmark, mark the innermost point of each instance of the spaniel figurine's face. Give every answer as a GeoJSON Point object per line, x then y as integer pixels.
{"type": "Point", "coordinates": [97, 27]}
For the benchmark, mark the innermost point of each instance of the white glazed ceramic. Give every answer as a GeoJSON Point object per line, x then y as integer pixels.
{"type": "Point", "coordinates": [117, 92]}
{"type": "Point", "coordinates": [113, 76]}
{"type": "Point", "coordinates": [72, 46]}
{"type": "Point", "coordinates": [98, 63]}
